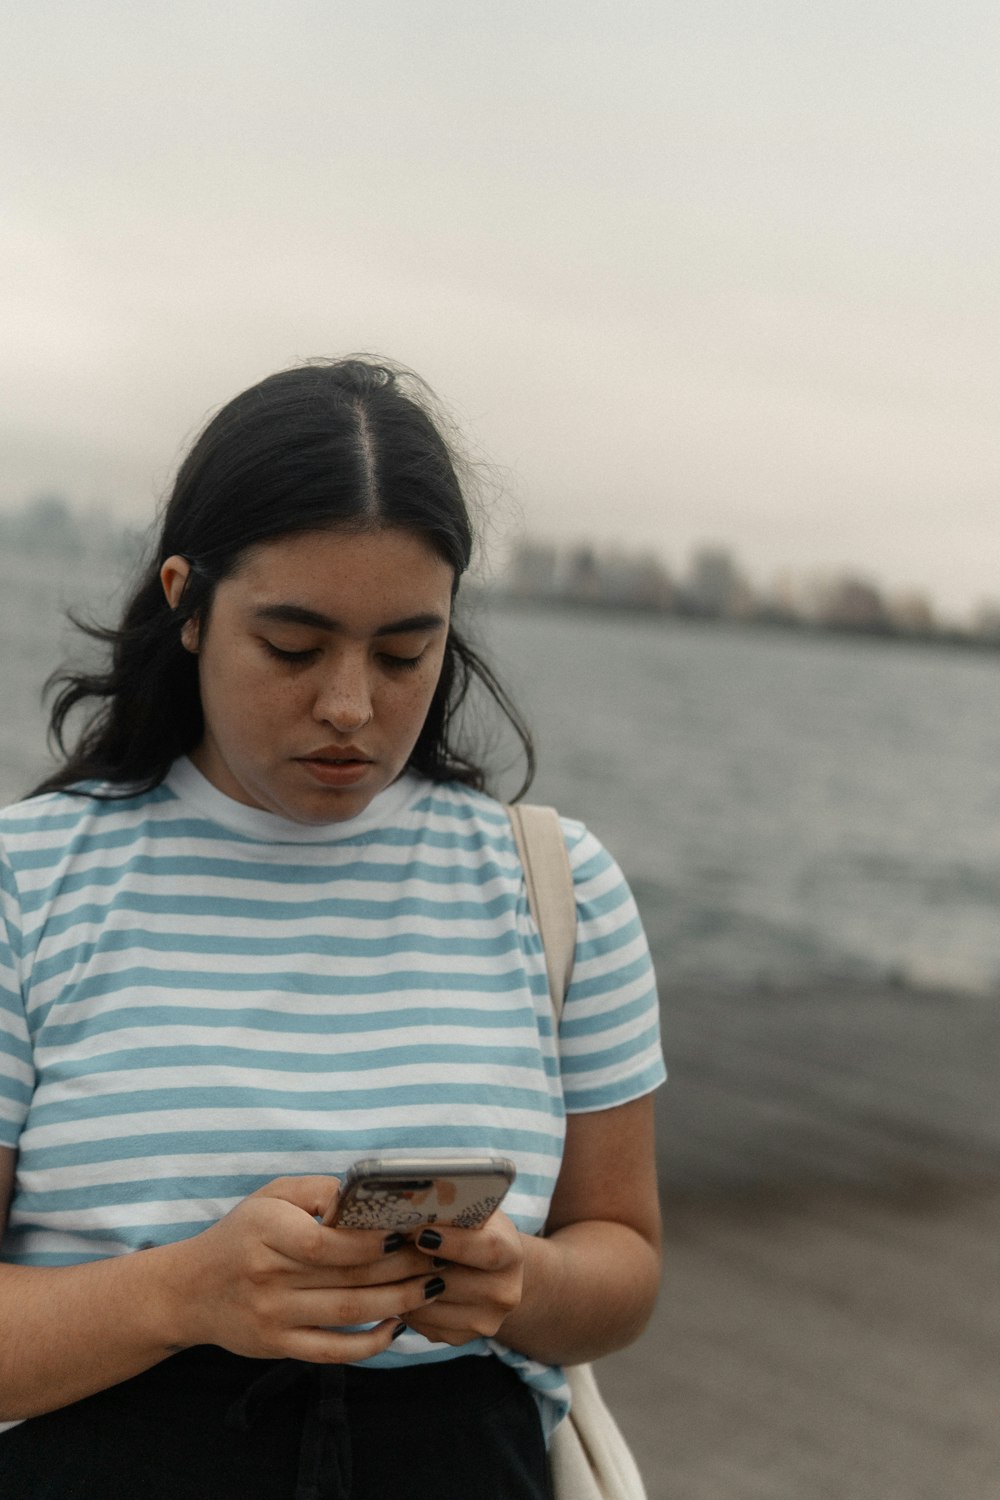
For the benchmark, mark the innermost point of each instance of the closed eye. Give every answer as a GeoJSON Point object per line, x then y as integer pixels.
{"type": "Point", "coordinates": [290, 656]}
{"type": "Point", "coordinates": [400, 663]}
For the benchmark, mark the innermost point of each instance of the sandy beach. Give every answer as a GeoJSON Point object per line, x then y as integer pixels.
{"type": "Point", "coordinates": [829, 1321]}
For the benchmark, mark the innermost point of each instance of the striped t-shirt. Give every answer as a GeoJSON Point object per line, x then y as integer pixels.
{"type": "Point", "coordinates": [198, 996]}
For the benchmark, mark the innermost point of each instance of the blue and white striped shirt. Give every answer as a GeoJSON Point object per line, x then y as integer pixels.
{"type": "Point", "coordinates": [198, 996]}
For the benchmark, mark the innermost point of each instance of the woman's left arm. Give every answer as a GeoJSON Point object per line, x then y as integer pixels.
{"type": "Point", "coordinates": [589, 1285]}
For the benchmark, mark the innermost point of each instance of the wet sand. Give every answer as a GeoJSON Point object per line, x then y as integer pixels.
{"type": "Point", "coordinates": [830, 1320]}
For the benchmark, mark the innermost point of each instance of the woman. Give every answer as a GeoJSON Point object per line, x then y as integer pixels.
{"type": "Point", "coordinates": [264, 920]}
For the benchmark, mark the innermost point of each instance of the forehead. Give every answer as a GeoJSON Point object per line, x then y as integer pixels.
{"type": "Point", "coordinates": [333, 571]}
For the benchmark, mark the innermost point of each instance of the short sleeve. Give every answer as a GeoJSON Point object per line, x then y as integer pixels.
{"type": "Point", "coordinates": [609, 1034]}
{"type": "Point", "coordinates": [17, 1071]}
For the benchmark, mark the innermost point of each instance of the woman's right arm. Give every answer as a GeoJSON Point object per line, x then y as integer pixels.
{"type": "Point", "coordinates": [266, 1281]}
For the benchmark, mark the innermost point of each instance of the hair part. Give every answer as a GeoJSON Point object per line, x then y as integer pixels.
{"type": "Point", "coordinates": [348, 445]}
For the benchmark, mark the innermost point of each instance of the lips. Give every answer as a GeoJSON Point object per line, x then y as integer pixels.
{"type": "Point", "coordinates": [340, 766]}
{"type": "Point", "coordinates": [337, 755]}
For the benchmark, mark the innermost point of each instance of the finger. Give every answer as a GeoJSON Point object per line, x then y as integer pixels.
{"type": "Point", "coordinates": [387, 1270]}
{"type": "Point", "coordinates": [457, 1323]}
{"type": "Point", "coordinates": [346, 1306]}
{"type": "Point", "coordinates": [398, 1265]}
{"type": "Point", "coordinates": [291, 1230]}
{"type": "Point", "coordinates": [365, 1247]}
{"type": "Point", "coordinates": [311, 1193]}
{"type": "Point", "coordinates": [318, 1196]}
{"type": "Point", "coordinates": [319, 1245]}
{"type": "Point", "coordinates": [491, 1248]}
{"type": "Point", "coordinates": [326, 1346]}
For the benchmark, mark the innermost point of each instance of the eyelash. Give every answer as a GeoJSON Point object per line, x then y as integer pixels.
{"type": "Point", "coordinates": [401, 663]}
{"type": "Point", "coordinates": [299, 658]}
{"type": "Point", "coordinates": [293, 657]}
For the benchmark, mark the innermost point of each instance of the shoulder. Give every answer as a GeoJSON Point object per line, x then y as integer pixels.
{"type": "Point", "coordinates": [54, 816]}
{"type": "Point", "coordinates": [43, 828]}
{"type": "Point", "coordinates": [78, 804]}
{"type": "Point", "coordinates": [591, 864]}
{"type": "Point", "coordinates": [451, 810]}
{"type": "Point", "coordinates": [451, 807]}
{"type": "Point", "coordinates": [587, 855]}
{"type": "Point", "coordinates": [474, 826]}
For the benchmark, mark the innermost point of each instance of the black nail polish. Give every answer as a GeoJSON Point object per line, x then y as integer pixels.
{"type": "Point", "coordinates": [439, 1264]}
{"type": "Point", "coordinates": [399, 1328]}
{"type": "Point", "coordinates": [434, 1287]}
{"type": "Point", "coordinates": [393, 1242]}
{"type": "Point", "coordinates": [429, 1239]}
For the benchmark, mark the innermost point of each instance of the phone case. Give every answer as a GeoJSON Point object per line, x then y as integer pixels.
{"type": "Point", "coordinates": [402, 1192]}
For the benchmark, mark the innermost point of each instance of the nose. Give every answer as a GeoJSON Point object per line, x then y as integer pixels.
{"type": "Point", "coordinates": [344, 699]}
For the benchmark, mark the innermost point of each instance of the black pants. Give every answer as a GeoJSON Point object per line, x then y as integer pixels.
{"type": "Point", "coordinates": [207, 1425]}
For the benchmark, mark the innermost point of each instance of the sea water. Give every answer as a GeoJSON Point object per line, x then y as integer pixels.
{"type": "Point", "coordinates": [788, 807]}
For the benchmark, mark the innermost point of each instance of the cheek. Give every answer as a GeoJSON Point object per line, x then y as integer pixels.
{"type": "Point", "coordinates": [239, 693]}
{"type": "Point", "coordinates": [424, 693]}
{"type": "Point", "coordinates": [411, 702]}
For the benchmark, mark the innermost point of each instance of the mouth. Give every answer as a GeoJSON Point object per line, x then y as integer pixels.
{"type": "Point", "coordinates": [337, 755]}
{"type": "Point", "coordinates": [335, 760]}
{"type": "Point", "coordinates": [339, 768]}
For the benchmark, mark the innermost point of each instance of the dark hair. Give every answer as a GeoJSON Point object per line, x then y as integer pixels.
{"type": "Point", "coordinates": [348, 444]}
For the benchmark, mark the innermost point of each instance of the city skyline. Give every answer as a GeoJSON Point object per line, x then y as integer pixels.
{"type": "Point", "coordinates": [714, 585]}
{"type": "Point", "coordinates": [687, 271]}
{"type": "Point", "coordinates": [711, 582]}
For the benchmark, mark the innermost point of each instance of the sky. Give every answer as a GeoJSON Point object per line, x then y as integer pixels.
{"type": "Point", "coordinates": [707, 271]}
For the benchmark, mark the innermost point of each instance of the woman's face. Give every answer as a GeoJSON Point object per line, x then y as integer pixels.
{"type": "Point", "coordinates": [317, 667]}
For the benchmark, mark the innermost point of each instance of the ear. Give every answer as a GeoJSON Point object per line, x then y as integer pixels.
{"type": "Point", "coordinates": [174, 576]}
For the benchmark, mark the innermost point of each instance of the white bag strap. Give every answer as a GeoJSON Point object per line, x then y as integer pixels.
{"type": "Point", "coordinates": [589, 1458]}
{"type": "Point", "coordinates": [548, 879]}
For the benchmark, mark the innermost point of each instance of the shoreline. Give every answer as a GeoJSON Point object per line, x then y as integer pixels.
{"type": "Point", "coordinates": [841, 1346]}
{"type": "Point", "coordinates": [947, 637]}
{"type": "Point", "coordinates": [828, 1322]}
{"type": "Point", "coordinates": [848, 1084]}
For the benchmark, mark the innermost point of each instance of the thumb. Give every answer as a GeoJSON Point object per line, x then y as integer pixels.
{"type": "Point", "coordinates": [314, 1194]}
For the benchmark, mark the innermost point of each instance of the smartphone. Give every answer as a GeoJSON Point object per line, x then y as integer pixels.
{"type": "Point", "coordinates": [402, 1192]}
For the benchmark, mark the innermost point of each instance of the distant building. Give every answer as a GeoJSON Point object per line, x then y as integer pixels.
{"type": "Point", "coordinates": [715, 586]}
{"type": "Point", "coordinates": [783, 599]}
{"type": "Point", "coordinates": [584, 574]}
{"type": "Point", "coordinates": [532, 572]}
{"type": "Point", "coordinates": [986, 621]}
{"type": "Point", "coordinates": [581, 578]}
{"type": "Point", "coordinates": [912, 614]}
{"type": "Point", "coordinates": [853, 604]}
{"type": "Point", "coordinates": [45, 524]}
{"type": "Point", "coordinates": [645, 582]}
{"type": "Point", "coordinates": [48, 526]}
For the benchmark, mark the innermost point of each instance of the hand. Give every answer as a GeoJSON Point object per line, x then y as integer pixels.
{"type": "Point", "coordinates": [482, 1275]}
{"type": "Point", "coordinates": [270, 1282]}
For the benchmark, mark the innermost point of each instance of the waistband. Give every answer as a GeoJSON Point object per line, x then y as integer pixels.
{"type": "Point", "coordinates": [473, 1376]}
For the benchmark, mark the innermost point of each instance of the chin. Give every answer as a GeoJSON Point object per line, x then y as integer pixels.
{"type": "Point", "coordinates": [335, 807]}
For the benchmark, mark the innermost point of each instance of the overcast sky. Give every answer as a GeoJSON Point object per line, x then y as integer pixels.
{"type": "Point", "coordinates": [708, 270]}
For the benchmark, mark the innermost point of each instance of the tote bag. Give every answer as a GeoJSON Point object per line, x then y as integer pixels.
{"type": "Point", "coordinates": [588, 1455]}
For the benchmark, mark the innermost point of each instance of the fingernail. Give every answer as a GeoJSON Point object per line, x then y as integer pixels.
{"type": "Point", "coordinates": [399, 1328]}
{"type": "Point", "coordinates": [429, 1239]}
{"type": "Point", "coordinates": [439, 1264]}
{"type": "Point", "coordinates": [393, 1242]}
{"type": "Point", "coordinates": [434, 1287]}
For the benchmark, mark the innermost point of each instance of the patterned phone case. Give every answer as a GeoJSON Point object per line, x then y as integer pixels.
{"type": "Point", "coordinates": [403, 1193]}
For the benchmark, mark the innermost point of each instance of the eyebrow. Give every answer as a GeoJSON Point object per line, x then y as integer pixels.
{"type": "Point", "coordinates": [298, 614]}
